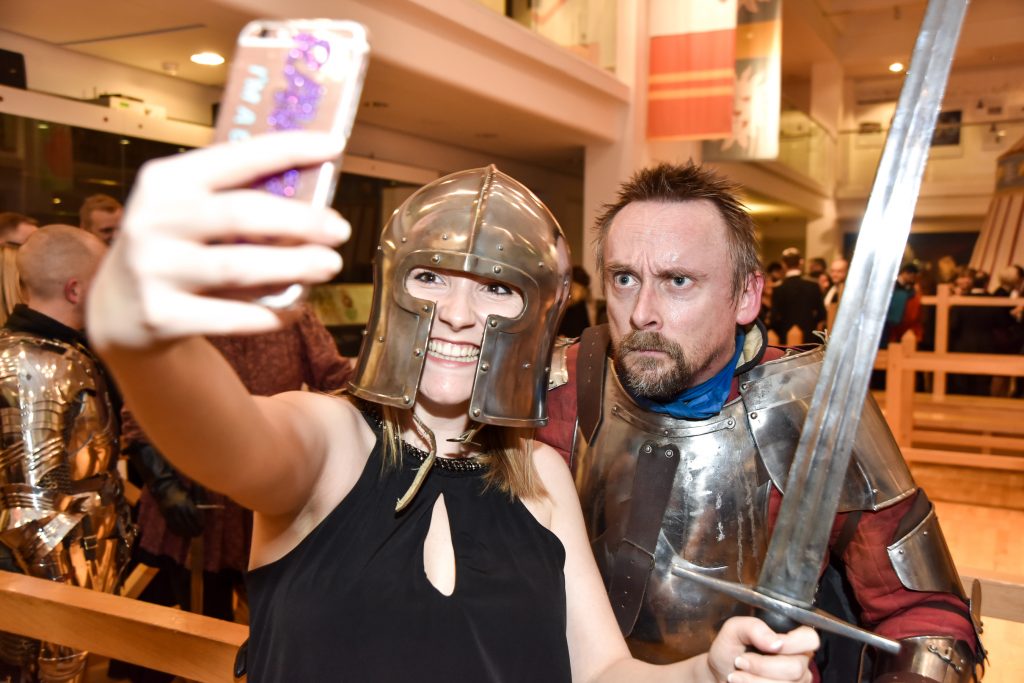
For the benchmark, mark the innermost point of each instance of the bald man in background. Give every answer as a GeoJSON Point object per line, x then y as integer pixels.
{"type": "Point", "coordinates": [64, 517]}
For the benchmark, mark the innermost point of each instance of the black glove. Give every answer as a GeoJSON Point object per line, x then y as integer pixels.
{"type": "Point", "coordinates": [176, 501]}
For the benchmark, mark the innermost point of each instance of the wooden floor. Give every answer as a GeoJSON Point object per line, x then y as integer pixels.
{"type": "Point", "coordinates": [990, 538]}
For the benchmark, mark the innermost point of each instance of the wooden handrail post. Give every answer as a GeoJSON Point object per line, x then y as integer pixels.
{"type": "Point", "coordinates": [943, 295]}
{"type": "Point", "coordinates": [894, 405]}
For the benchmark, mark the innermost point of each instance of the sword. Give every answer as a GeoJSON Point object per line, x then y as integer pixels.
{"type": "Point", "coordinates": [789, 576]}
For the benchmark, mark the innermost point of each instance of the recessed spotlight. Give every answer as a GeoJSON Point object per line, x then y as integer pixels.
{"type": "Point", "coordinates": [207, 58]}
{"type": "Point", "coordinates": [896, 67]}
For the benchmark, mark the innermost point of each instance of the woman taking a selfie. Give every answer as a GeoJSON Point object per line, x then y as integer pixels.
{"type": "Point", "coordinates": [411, 530]}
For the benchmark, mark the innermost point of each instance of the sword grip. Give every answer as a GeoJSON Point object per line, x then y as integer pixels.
{"type": "Point", "coordinates": [779, 623]}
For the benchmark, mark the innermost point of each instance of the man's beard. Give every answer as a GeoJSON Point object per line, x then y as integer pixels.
{"type": "Point", "coordinates": [655, 378]}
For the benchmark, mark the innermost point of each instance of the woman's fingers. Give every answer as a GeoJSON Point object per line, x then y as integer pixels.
{"type": "Point", "coordinates": [225, 166]}
{"type": "Point", "coordinates": [748, 651]}
{"type": "Point", "coordinates": [232, 266]}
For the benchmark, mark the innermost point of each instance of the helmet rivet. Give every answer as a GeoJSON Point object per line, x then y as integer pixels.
{"type": "Point", "coordinates": [497, 269]}
{"type": "Point", "coordinates": [540, 264]}
{"type": "Point", "coordinates": [526, 366]}
{"type": "Point", "coordinates": [501, 247]}
{"type": "Point", "coordinates": [404, 240]}
{"type": "Point", "coordinates": [484, 367]}
{"type": "Point", "coordinates": [365, 332]}
{"type": "Point", "coordinates": [418, 352]}
{"type": "Point", "coordinates": [406, 399]}
{"type": "Point", "coordinates": [494, 323]}
{"type": "Point", "coordinates": [476, 412]}
{"type": "Point", "coordinates": [426, 308]}
{"type": "Point", "coordinates": [380, 339]}
{"type": "Point", "coordinates": [647, 448]}
{"type": "Point", "coordinates": [547, 369]}
{"type": "Point", "coordinates": [444, 235]}
{"type": "Point", "coordinates": [380, 248]}
{"type": "Point", "coordinates": [435, 258]}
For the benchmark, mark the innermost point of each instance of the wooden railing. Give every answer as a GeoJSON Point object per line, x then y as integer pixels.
{"type": "Point", "coordinates": [189, 645]}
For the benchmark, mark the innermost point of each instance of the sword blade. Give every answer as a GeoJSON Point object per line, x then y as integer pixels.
{"type": "Point", "coordinates": [800, 540]}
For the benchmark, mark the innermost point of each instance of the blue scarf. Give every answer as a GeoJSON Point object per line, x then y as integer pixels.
{"type": "Point", "coordinates": [704, 400]}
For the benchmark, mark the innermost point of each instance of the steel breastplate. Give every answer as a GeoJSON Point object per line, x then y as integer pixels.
{"type": "Point", "coordinates": [714, 520]}
{"type": "Point", "coordinates": [61, 505]}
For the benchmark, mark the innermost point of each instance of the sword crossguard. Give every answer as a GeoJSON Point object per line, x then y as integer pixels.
{"type": "Point", "coordinates": [794, 614]}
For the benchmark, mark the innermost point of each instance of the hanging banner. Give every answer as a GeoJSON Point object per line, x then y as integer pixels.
{"type": "Point", "coordinates": [691, 73]}
{"type": "Point", "coordinates": [757, 101]}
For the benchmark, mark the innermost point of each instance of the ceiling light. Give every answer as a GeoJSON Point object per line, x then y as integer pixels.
{"type": "Point", "coordinates": [207, 58]}
{"type": "Point", "coordinates": [896, 67]}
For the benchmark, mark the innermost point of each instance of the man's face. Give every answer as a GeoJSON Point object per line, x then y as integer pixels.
{"type": "Point", "coordinates": [104, 224]}
{"type": "Point", "coordinates": [837, 271]}
{"type": "Point", "coordinates": [668, 283]}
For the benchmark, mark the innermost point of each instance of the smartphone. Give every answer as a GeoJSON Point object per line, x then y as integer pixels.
{"type": "Point", "coordinates": [297, 74]}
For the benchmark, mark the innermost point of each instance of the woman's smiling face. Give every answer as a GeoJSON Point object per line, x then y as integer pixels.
{"type": "Point", "coordinates": [463, 303]}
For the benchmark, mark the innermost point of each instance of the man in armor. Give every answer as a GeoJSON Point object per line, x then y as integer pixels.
{"type": "Point", "coordinates": [62, 512]}
{"type": "Point", "coordinates": [683, 369]}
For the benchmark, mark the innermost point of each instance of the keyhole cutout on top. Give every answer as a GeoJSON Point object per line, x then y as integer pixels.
{"type": "Point", "coordinates": [438, 552]}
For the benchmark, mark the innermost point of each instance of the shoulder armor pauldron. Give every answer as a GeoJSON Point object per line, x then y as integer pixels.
{"type": "Point", "coordinates": [776, 396]}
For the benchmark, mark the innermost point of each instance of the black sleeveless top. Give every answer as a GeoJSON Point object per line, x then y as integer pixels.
{"type": "Point", "coordinates": [352, 602]}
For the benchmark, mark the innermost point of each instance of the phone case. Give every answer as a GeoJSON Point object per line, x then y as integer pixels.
{"type": "Point", "coordinates": [304, 74]}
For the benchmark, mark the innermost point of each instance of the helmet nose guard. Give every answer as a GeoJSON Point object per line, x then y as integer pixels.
{"type": "Point", "coordinates": [485, 223]}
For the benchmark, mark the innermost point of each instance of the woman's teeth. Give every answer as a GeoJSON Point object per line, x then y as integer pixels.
{"type": "Point", "coordinates": [456, 352]}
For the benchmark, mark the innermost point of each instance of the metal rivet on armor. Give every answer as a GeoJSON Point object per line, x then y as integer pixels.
{"type": "Point", "coordinates": [444, 235]}
{"type": "Point", "coordinates": [404, 240]}
{"type": "Point", "coordinates": [496, 269]}
{"type": "Point", "coordinates": [670, 453]}
{"type": "Point", "coordinates": [902, 551]}
{"type": "Point", "coordinates": [540, 264]}
{"type": "Point", "coordinates": [380, 339]}
{"type": "Point", "coordinates": [406, 399]}
{"type": "Point", "coordinates": [526, 366]}
{"type": "Point", "coordinates": [647, 448]}
{"type": "Point", "coordinates": [501, 247]}
{"type": "Point", "coordinates": [484, 367]}
{"type": "Point", "coordinates": [730, 423]}
{"type": "Point", "coordinates": [366, 332]}
{"type": "Point", "coordinates": [476, 412]}
{"type": "Point", "coordinates": [924, 533]}
{"type": "Point", "coordinates": [615, 409]}
{"type": "Point", "coordinates": [426, 309]}
{"type": "Point", "coordinates": [380, 248]}
{"type": "Point", "coordinates": [547, 369]}
{"type": "Point", "coordinates": [753, 416]}
{"type": "Point", "coordinates": [418, 352]}
{"type": "Point", "coordinates": [435, 258]}
{"type": "Point", "coordinates": [743, 387]}
{"type": "Point", "coordinates": [665, 432]}
{"type": "Point", "coordinates": [493, 323]}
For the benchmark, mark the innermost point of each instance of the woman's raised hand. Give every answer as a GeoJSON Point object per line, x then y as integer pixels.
{"type": "Point", "coordinates": [189, 232]}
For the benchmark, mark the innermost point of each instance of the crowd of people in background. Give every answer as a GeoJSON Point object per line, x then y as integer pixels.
{"type": "Point", "coordinates": [801, 302]}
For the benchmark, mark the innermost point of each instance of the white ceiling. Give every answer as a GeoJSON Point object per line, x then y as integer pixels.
{"type": "Point", "coordinates": [865, 35]}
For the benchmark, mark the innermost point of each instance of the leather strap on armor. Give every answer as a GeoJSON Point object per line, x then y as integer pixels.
{"type": "Point", "coordinates": [590, 364]}
{"type": "Point", "coordinates": [634, 557]}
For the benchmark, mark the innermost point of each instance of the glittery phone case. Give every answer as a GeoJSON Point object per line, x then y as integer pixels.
{"type": "Point", "coordinates": [300, 74]}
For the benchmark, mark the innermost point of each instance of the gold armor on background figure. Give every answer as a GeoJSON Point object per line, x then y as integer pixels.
{"type": "Point", "coordinates": [62, 511]}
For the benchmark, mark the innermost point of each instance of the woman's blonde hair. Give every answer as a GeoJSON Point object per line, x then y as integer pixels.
{"type": "Point", "coordinates": [10, 284]}
{"type": "Point", "coordinates": [507, 452]}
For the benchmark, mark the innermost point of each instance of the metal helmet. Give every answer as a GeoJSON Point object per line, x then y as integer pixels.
{"type": "Point", "coordinates": [483, 223]}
